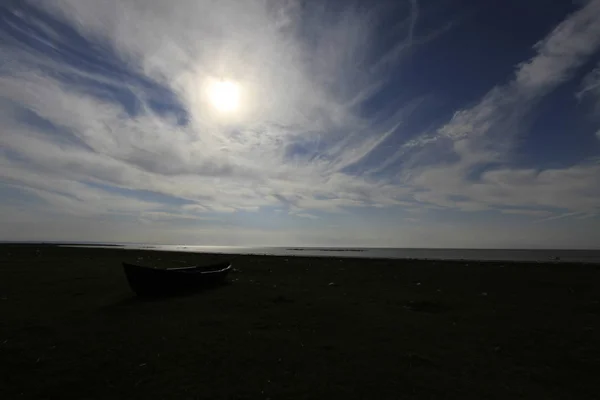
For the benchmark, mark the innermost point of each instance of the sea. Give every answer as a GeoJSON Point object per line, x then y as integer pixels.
{"type": "Point", "coordinates": [583, 256]}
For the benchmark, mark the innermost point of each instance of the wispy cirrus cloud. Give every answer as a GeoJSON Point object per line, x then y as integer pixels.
{"type": "Point", "coordinates": [482, 138]}
{"type": "Point", "coordinates": [590, 90]}
{"type": "Point", "coordinates": [104, 112]}
{"type": "Point", "coordinates": [295, 133]}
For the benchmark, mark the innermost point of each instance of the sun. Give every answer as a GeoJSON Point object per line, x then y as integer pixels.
{"type": "Point", "coordinates": [224, 95]}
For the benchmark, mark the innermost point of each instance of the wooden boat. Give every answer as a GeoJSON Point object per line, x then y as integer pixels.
{"type": "Point", "coordinates": [148, 281]}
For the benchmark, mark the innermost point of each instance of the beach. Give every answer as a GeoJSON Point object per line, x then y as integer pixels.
{"type": "Point", "coordinates": [297, 328]}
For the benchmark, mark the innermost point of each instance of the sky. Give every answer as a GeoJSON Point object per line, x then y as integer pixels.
{"type": "Point", "coordinates": [438, 123]}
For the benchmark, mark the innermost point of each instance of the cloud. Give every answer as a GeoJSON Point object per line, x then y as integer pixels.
{"type": "Point", "coordinates": [574, 188]}
{"type": "Point", "coordinates": [590, 84]}
{"type": "Point", "coordinates": [589, 90]}
{"type": "Point", "coordinates": [482, 137]}
{"type": "Point", "coordinates": [104, 115]}
{"type": "Point", "coordinates": [558, 55]}
{"type": "Point", "coordinates": [534, 213]}
{"type": "Point", "coordinates": [305, 215]}
{"type": "Point", "coordinates": [566, 48]}
{"type": "Point", "coordinates": [87, 130]}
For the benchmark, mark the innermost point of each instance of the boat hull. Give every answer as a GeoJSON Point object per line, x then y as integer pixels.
{"type": "Point", "coordinates": [146, 281]}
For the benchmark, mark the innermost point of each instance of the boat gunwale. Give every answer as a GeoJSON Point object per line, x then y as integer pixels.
{"type": "Point", "coordinates": [184, 270]}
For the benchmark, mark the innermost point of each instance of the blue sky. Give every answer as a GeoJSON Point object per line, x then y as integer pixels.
{"type": "Point", "coordinates": [389, 123]}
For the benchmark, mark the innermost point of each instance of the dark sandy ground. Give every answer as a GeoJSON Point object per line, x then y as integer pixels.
{"type": "Point", "coordinates": [291, 328]}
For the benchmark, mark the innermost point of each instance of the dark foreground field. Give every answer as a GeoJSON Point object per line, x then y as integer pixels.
{"type": "Point", "coordinates": [289, 328]}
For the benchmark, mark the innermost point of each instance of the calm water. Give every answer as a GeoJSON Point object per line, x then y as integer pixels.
{"type": "Point", "coordinates": [588, 256]}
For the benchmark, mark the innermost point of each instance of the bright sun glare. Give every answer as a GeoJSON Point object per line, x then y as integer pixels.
{"type": "Point", "coordinates": [224, 95]}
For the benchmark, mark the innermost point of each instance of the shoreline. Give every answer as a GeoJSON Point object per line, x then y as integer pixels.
{"type": "Point", "coordinates": [185, 249]}
{"type": "Point", "coordinates": [328, 253]}
{"type": "Point", "coordinates": [571, 256]}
